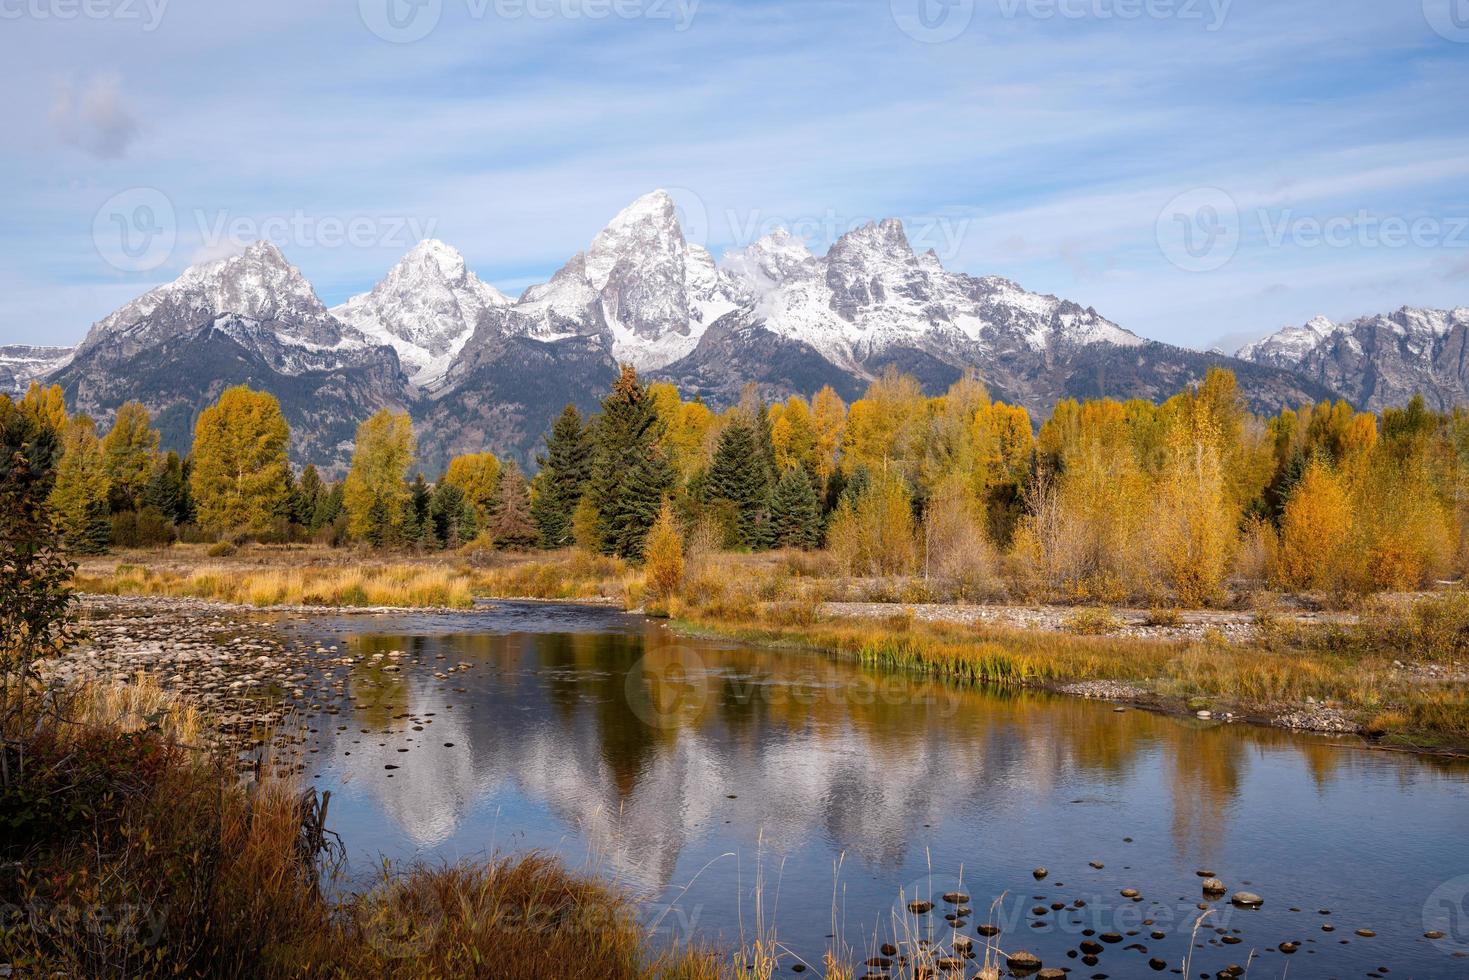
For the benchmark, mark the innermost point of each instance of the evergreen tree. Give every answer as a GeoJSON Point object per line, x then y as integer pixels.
{"type": "Point", "coordinates": [510, 523]}
{"type": "Point", "coordinates": [631, 473]}
{"type": "Point", "coordinates": [307, 502]}
{"type": "Point", "coordinates": [562, 479]}
{"type": "Point", "coordinates": [452, 516]}
{"type": "Point", "coordinates": [167, 491]}
{"type": "Point", "coordinates": [419, 524]}
{"type": "Point", "coordinates": [331, 506]}
{"type": "Point", "coordinates": [740, 479]}
{"type": "Point", "coordinates": [795, 513]}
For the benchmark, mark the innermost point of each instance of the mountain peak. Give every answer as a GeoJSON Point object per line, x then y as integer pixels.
{"type": "Point", "coordinates": [435, 255]}
{"type": "Point", "coordinates": [426, 308]}
{"type": "Point", "coordinates": [656, 204]}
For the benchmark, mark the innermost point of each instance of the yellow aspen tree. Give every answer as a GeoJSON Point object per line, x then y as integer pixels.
{"type": "Point", "coordinates": [793, 434]}
{"type": "Point", "coordinates": [829, 420]}
{"type": "Point", "coordinates": [886, 427]}
{"type": "Point", "coordinates": [663, 557]}
{"type": "Point", "coordinates": [1194, 522]}
{"type": "Point", "coordinates": [45, 405]}
{"type": "Point", "coordinates": [687, 438]}
{"type": "Point", "coordinates": [131, 448]}
{"type": "Point", "coordinates": [79, 496]}
{"type": "Point", "coordinates": [376, 491]}
{"type": "Point", "coordinates": [239, 463]}
{"type": "Point", "coordinates": [477, 475]}
{"type": "Point", "coordinates": [1315, 531]}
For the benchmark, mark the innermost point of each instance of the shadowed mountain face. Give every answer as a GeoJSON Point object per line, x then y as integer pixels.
{"type": "Point", "coordinates": [481, 371]}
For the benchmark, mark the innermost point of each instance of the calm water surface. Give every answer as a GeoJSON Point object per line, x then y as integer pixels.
{"type": "Point", "coordinates": [697, 773]}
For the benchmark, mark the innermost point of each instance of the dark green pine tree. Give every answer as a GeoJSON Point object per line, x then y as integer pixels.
{"type": "Point", "coordinates": [452, 516]}
{"type": "Point", "coordinates": [795, 513]}
{"type": "Point", "coordinates": [97, 533]}
{"type": "Point", "coordinates": [740, 480]}
{"type": "Point", "coordinates": [166, 491]}
{"type": "Point", "coordinates": [564, 471]}
{"type": "Point", "coordinates": [631, 473]}
{"type": "Point", "coordinates": [330, 506]}
{"type": "Point", "coordinates": [418, 525]}
{"type": "Point", "coordinates": [308, 497]}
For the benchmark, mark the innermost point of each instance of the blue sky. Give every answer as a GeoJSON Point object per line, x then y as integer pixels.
{"type": "Point", "coordinates": [1200, 171]}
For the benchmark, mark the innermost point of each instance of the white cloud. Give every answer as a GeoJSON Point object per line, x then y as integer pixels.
{"type": "Point", "coordinates": [93, 116]}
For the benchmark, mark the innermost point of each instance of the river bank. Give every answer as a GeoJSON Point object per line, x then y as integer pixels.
{"type": "Point", "coordinates": [244, 673]}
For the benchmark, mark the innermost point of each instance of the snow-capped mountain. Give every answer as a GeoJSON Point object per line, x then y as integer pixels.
{"type": "Point", "coordinates": [1378, 361]}
{"type": "Point", "coordinates": [870, 294]}
{"type": "Point", "coordinates": [483, 372]}
{"type": "Point", "coordinates": [248, 319]}
{"type": "Point", "coordinates": [20, 364]}
{"type": "Point", "coordinates": [258, 283]}
{"type": "Point", "coordinates": [639, 286]}
{"type": "Point", "coordinates": [426, 308]}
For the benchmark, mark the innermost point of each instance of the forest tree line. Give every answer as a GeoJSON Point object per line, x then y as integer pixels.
{"type": "Point", "coordinates": [1106, 500]}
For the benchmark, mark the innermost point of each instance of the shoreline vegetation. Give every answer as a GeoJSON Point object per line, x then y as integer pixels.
{"type": "Point", "coordinates": [1293, 570]}
{"type": "Point", "coordinates": [1392, 669]}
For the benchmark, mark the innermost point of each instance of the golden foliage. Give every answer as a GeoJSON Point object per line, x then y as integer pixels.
{"type": "Point", "coordinates": [1315, 531]}
{"type": "Point", "coordinates": [240, 466]}
{"type": "Point", "coordinates": [376, 491]}
{"type": "Point", "coordinates": [663, 558]}
{"type": "Point", "coordinates": [478, 475]}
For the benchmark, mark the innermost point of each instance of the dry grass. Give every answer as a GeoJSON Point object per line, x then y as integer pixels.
{"type": "Point", "coordinates": [401, 585]}
{"type": "Point", "coordinates": [569, 575]}
{"type": "Point", "coordinates": [1333, 664]}
{"type": "Point", "coordinates": [129, 854]}
{"type": "Point", "coordinates": [775, 597]}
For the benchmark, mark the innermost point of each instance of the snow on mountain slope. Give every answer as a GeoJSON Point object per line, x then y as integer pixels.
{"type": "Point", "coordinates": [1289, 343]}
{"type": "Point", "coordinates": [870, 294]}
{"type": "Point", "coordinates": [426, 308]}
{"type": "Point", "coordinates": [20, 364]}
{"type": "Point", "coordinates": [1380, 360]}
{"type": "Point", "coordinates": [649, 293]}
{"type": "Point", "coordinates": [258, 283]}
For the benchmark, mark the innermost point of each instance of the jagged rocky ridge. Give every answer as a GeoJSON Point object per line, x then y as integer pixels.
{"type": "Point", "coordinates": [1379, 361]}
{"type": "Point", "coordinates": [479, 370]}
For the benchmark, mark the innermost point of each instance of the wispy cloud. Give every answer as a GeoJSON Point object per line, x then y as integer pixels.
{"type": "Point", "coordinates": [1053, 142]}
{"type": "Point", "coordinates": [93, 116]}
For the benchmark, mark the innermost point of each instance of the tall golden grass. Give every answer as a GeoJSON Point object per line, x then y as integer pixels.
{"type": "Point", "coordinates": [399, 585]}
{"type": "Point", "coordinates": [129, 853]}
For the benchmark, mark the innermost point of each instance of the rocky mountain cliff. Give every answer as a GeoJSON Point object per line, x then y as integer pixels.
{"type": "Point", "coordinates": [1378, 361]}
{"type": "Point", "coordinates": [480, 371]}
{"type": "Point", "coordinates": [249, 319]}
